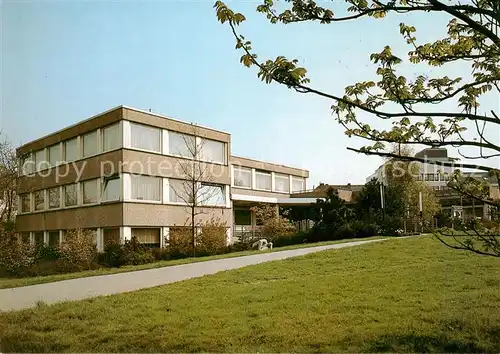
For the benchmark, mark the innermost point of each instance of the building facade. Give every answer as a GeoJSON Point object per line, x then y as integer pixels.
{"type": "Point", "coordinates": [127, 172]}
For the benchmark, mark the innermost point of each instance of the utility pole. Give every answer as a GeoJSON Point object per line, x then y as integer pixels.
{"type": "Point", "coordinates": [420, 210]}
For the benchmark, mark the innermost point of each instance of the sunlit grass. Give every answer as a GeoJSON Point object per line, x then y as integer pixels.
{"type": "Point", "coordinates": [17, 282]}
{"type": "Point", "coordinates": [405, 295]}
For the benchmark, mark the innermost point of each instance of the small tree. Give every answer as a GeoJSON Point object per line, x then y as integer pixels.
{"type": "Point", "coordinates": [15, 253]}
{"type": "Point", "coordinates": [273, 224]}
{"type": "Point", "coordinates": [196, 188]}
{"type": "Point", "coordinates": [8, 178]}
{"type": "Point", "coordinates": [78, 248]}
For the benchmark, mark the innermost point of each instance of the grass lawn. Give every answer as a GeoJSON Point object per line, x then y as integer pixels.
{"type": "Point", "coordinates": [405, 295]}
{"type": "Point", "coordinates": [17, 282]}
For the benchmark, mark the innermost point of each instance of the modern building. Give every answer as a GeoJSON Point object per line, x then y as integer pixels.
{"type": "Point", "coordinates": [437, 177]}
{"type": "Point", "coordinates": [124, 173]}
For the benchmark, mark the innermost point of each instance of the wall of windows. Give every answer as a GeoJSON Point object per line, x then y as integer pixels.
{"type": "Point", "coordinates": [93, 143]}
{"type": "Point", "coordinates": [250, 178]}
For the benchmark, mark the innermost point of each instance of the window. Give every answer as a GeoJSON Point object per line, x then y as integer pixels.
{"type": "Point", "coordinates": [419, 177]}
{"type": "Point", "coordinates": [90, 144]}
{"type": "Point", "coordinates": [71, 150]}
{"type": "Point", "coordinates": [446, 176]}
{"type": "Point", "coordinates": [93, 233]}
{"type": "Point", "coordinates": [145, 138]}
{"type": "Point", "coordinates": [25, 203]}
{"type": "Point", "coordinates": [212, 194]}
{"type": "Point", "coordinates": [429, 177]}
{"type": "Point", "coordinates": [54, 198]}
{"type": "Point", "coordinates": [111, 137]}
{"type": "Point", "coordinates": [70, 195]}
{"type": "Point", "coordinates": [437, 176]}
{"type": "Point", "coordinates": [181, 144]}
{"type": "Point", "coordinates": [53, 238]}
{"type": "Point", "coordinates": [242, 217]}
{"type": "Point", "coordinates": [111, 189]}
{"type": "Point", "coordinates": [39, 238]}
{"type": "Point", "coordinates": [242, 177]}
{"type": "Point", "coordinates": [180, 191]}
{"type": "Point", "coordinates": [298, 184]}
{"type": "Point", "coordinates": [146, 188]}
{"type": "Point", "coordinates": [39, 200]}
{"type": "Point", "coordinates": [25, 237]}
{"type": "Point", "coordinates": [213, 151]}
{"type": "Point", "coordinates": [40, 160]}
{"type": "Point", "coordinates": [263, 180]}
{"type": "Point", "coordinates": [27, 164]}
{"type": "Point", "coordinates": [54, 155]}
{"type": "Point", "coordinates": [89, 191]}
{"type": "Point", "coordinates": [148, 237]}
{"type": "Point", "coordinates": [281, 183]}
{"type": "Point", "coordinates": [111, 236]}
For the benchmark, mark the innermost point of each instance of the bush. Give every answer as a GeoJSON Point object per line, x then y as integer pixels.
{"type": "Point", "coordinates": [46, 253]}
{"type": "Point", "coordinates": [134, 253]}
{"type": "Point", "coordinates": [274, 226]}
{"type": "Point", "coordinates": [180, 242]}
{"type": "Point", "coordinates": [78, 249]}
{"type": "Point", "coordinates": [212, 239]}
{"type": "Point", "coordinates": [112, 255]}
{"type": "Point", "coordinates": [293, 239]}
{"type": "Point", "coordinates": [161, 254]}
{"type": "Point", "coordinates": [15, 255]}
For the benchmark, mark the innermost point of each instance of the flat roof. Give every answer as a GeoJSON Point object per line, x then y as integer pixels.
{"type": "Point", "coordinates": [111, 110]}
{"type": "Point", "coordinates": [267, 162]}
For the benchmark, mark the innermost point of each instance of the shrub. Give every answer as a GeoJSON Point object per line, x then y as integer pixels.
{"type": "Point", "coordinates": [212, 238]}
{"type": "Point", "coordinates": [292, 239]}
{"type": "Point", "coordinates": [161, 254]}
{"type": "Point", "coordinates": [15, 255]}
{"type": "Point", "coordinates": [274, 225]}
{"type": "Point", "coordinates": [112, 255]}
{"type": "Point", "coordinates": [78, 249]}
{"type": "Point", "coordinates": [134, 253]}
{"type": "Point", "coordinates": [46, 253]}
{"type": "Point", "coordinates": [180, 242]}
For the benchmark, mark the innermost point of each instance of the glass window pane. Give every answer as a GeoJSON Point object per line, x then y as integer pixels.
{"type": "Point", "coordinates": [145, 188]}
{"type": "Point", "coordinates": [243, 177]}
{"type": "Point", "coordinates": [111, 137]}
{"type": "Point", "coordinates": [263, 180]}
{"type": "Point", "coordinates": [25, 203]}
{"type": "Point", "coordinates": [148, 237]}
{"type": "Point", "coordinates": [54, 155]}
{"type": "Point", "coordinates": [38, 236]}
{"type": "Point", "coordinates": [54, 198]}
{"type": "Point", "coordinates": [298, 184]}
{"type": "Point", "coordinates": [182, 144]}
{"type": "Point", "coordinates": [210, 194]}
{"type": "Point", "coordinates": [71, 150]}
{"type": "Point", "coordinates": [89, 144]}
{"type": "Point", "coordinates": [111, 189]}
{"type": "Point", "coordinates": [145, 138]}
{"type": "Point", "coordinates": [213, 151]}
{"type": "Point", "coordinates": [242, 217]}
{"type": "Point", "coordinates": [180, 191]}
{"type": "Point", "coordinates": [53, 238]}
{"type": "Point", "coordinates": [27, 165]}
{"type": "Point", "coordinates": [39, 200]}
{"type": "Point", "coordinates": [89, 191]}
{"type": "Point", "coordinates": [70, 195]}
{"type": "Point", "coordinates": [111, 236]}
{"type": "Point", "coordinates": [281, 183]}
{"type": "Point", "coordinates": [40, 160]}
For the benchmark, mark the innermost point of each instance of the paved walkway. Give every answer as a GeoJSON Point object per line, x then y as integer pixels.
{"type": "Point", "coordinates": [83, 288]}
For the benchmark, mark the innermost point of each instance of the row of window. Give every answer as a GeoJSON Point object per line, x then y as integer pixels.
{"type": "Point", "coordinates": [242, 177]}
{"type": "Point", "coordinates": [73, 149]}
{"type": "Point", "coordinates": [142, 137]}
{"type": "Point", "coordinates": [149, 237]}
{"type": "Point", "coordinates": [433, 177]}
{"type": "Point", "coordinates": [142, 188]}
{"type": "Point", "coordinates": [152, 139]}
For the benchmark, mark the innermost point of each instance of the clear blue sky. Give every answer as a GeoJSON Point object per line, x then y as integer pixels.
{"type": "Point", "coordinates": [65, 61]}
